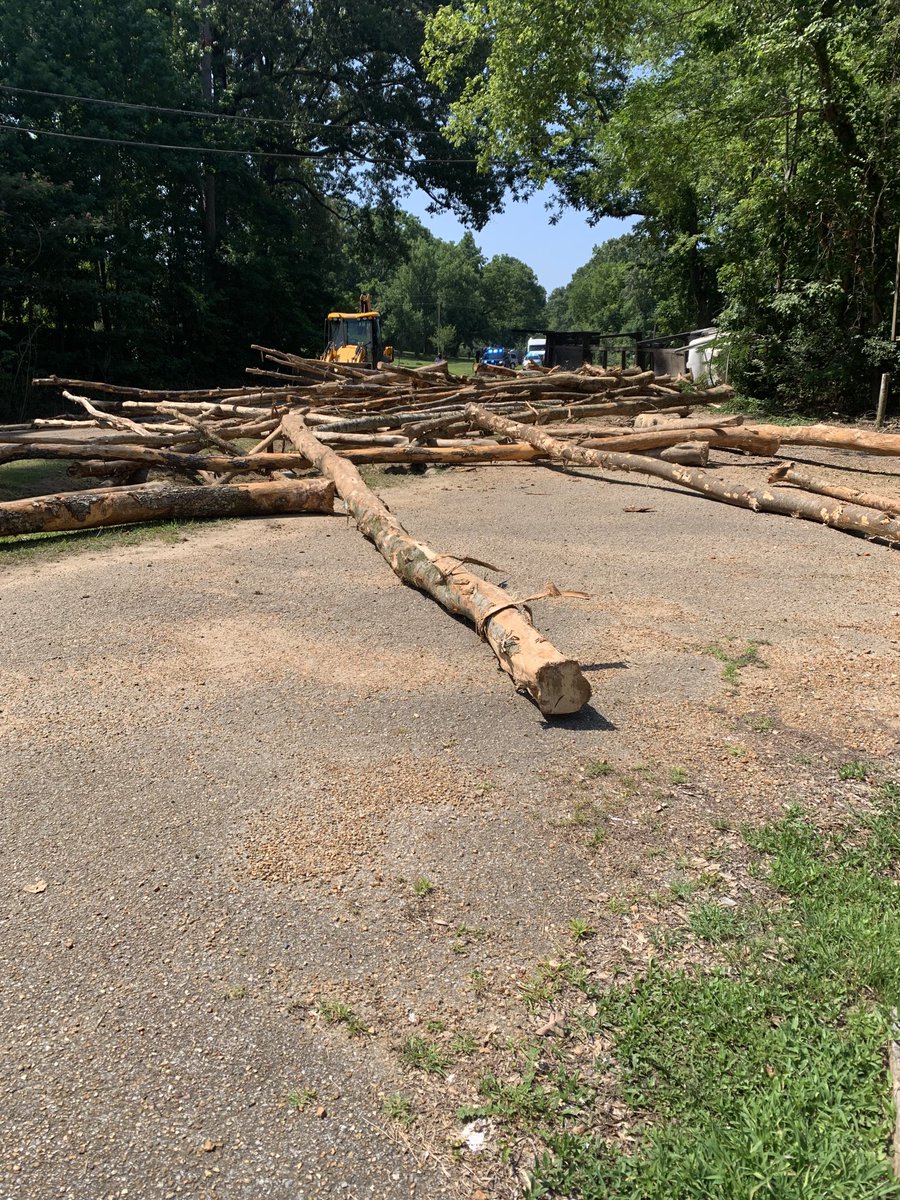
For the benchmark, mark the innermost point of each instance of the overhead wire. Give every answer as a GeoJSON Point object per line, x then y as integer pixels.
{"type": "Point", "coordinates": [311, 156]}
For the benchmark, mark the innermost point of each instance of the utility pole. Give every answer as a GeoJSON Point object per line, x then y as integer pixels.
{"type": "Point", "coordinates": [206, 84]}
{"type": "Point", "coordinates": [886, 377]}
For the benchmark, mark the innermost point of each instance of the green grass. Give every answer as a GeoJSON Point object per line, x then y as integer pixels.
{"type": "Point", "coordinates": [399, 1108]}
{"type": "Point", "coordinates": [597, 769]}
{"type": "Point", "coordinates": [423, 887]}
{"type": "Point", "coordinates": [336, 1012]}
{"type": "Point", "coordinates": [39, 478]}
{"type": "Point", "coordinates": [853, 770]}
{"type": "Point", "coordinates": [761, 1079]}
{"type": "Point", "coordinates": [457, 366]}
{"type": "Point", "coordinates": [734, 663]}
{"type": "Point", "coordinates": [417, 1051]}
{"type": "Point", "coordinates": [50, 545]}
{"type": "Point", "coordinates": [300, 1099]}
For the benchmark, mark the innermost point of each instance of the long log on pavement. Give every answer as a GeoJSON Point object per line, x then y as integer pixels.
{"type": "Point", "coordinates": [837, 436]}
{"type": "Point", "coordinates": [851, 518]}
{"type": "Point", "coordinates": [554, 682]}
{"type": "Point", "coordinates": [155, 502]}
{"type": "Point", "coordinates": [788, 473]}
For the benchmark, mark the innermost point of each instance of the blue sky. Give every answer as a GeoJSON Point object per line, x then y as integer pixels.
{"type": "Point", "coordinates": [554, 252]}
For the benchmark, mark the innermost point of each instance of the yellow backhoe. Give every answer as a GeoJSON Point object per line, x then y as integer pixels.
{"type": "Point", "coordinates": [355, 338]}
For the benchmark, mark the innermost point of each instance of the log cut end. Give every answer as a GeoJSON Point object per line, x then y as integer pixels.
{"type": "Point", "coordinates": [559, 688]}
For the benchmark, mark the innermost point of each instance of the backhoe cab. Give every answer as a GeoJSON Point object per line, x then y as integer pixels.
{"type": "Point", "coordinates": [355, 338]}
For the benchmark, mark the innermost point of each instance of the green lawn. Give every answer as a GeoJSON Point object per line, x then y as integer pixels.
{"type": "Point", "coordinates": [764, 1077]}
{"type": "Point", "coordinates": [458, 366]}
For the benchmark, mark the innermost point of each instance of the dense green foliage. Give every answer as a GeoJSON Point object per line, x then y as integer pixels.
{"type": "Point", "coordinates": [765, 1077]}
{"type": "Point", "coordinates": [160, 264]}
{"type": "Point", "coordinates": [759, 143]}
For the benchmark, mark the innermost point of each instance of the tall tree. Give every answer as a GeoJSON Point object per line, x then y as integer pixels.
{"type": "Point", "coordinates": [758, 141]}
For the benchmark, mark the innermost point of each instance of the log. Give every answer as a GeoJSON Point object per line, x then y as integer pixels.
{"type": "Point", "coordinates": [689, 454]}
{"type": "Point", "coordinates": [665, 421]}
{"type": "Point", "coordinates": [554, 682]}
{"type": "Point", "coordinates": [170, 459]}
{"type": "Point", "coordinates": [841, 438]}
{"type": "Point", "coordinates": [847, 517]}
{"type": "Point", "coordinates": [656, 439]}
{"type": "Point", "coordinates": [788, 473]}
{"type": "Point", "coordinates": [155, 502]}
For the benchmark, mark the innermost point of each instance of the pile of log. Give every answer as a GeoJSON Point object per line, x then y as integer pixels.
{"type": "Point", "coordinates": [289, 444]}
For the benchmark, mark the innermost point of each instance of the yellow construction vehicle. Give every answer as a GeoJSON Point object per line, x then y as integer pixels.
{"type": "Point", "coordinates": [355, 338]}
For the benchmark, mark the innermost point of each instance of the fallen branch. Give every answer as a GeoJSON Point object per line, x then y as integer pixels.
{"type": "Point", "coordinates": [556, 683]}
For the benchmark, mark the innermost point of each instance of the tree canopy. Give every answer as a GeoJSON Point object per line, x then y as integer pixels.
{"type": "Point", "coordinates": [758, 143]}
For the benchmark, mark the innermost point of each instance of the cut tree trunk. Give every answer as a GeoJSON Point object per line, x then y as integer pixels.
{"type": "Point", "coordinates": [554, 682]}
{"type": "Point", "coordinates": [656, 439]}
{"type": "Point", "coordinates": [788, 473]}
{"type": "Point", "coordinates": [688, 454]}
{"type": "Point", "coordinates": [848, 517]}
{"type": "Point", "coordinates": [155, 502]}
{"type": "Point", "coordinates": [840, 437]}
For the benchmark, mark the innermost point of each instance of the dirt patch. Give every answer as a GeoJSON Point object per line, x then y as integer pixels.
{"type": "Point", "coordinates": [342, 816]}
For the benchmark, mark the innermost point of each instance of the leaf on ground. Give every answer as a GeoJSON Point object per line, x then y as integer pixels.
{"type": "Point", "coordinates": [34, 889]}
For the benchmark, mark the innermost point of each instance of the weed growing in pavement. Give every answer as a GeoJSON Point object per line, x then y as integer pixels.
{"type": "Point", "coordinates": [301, 1098]}
{"type": "Point", "coordinates": [762, 724]}
{"type": "Point", "coordinates": [597, 769]}
{"type": "Point", "coordinates": [678, 775]}
{"type": "Point", "coordinates": [580, 930]}
{"type": "Point", "coordinates": [236, 991]}
{"type": "Point", "coordinates": [398, 1108]}
{"type": "Point", "coordinates": [736, 751]}
{"type": "Point", "coordinates": [733, 663]}
{"type": "Point", "coordinates": [547, 980]}
{"type": "Point", "coordinates": [479, 982]}
{"type": "Point", "coordinates": [853, 770]}
{"type": "Point", "coordinates": [618, 905]}
{"type": "Point", "coordinates": [335, 1012]}
{"type": "Point", "coordinates": [764, 1078]}
{"type": "Point", "coordinates": [423, 887]}
{"type": "Point", "coordinates": [545, 1091]}
{"type": "Point", "coordinates": [417, 1051]}
{"type": "Point", "coordinates": [463, 1044]}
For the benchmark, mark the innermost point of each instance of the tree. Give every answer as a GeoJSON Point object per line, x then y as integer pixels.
{"type": "Point", "coordinates": [512, 297]}
{"type": "Point", "coordinates": [758, 143]}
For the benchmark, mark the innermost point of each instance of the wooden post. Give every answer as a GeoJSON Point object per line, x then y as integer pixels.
{"type": "Point", "coordinates": [885, 378]}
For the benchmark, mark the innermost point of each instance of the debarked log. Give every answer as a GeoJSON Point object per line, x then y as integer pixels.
{"type": "Point", "coordinates": [156, 502]}
{"type": "Point", "coordinates": [788, 473]}
{"type": "Point", "coordinates": [556, 683]}
{"type": "Point", "coordinates": [851, 518]}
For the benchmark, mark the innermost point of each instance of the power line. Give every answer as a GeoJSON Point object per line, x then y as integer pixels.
{"type": "Point", "coordinates": [190, 112]}
{"type": "Point", "coordinates": [312, 156]}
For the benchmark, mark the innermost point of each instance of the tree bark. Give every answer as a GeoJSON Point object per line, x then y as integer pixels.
{"type": "Point", "coordinates": [840, 437]}
{"type": "Point", "coordinates": [554, 682]}
{"type": "Point", "coordinates": [155, 502]}
{"type": "Point", "coordinates": [848, 517]}
{"type": "Point", "coordinates": [788, 473]}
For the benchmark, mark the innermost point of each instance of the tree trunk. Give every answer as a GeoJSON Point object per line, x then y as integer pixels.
{"type": "Point", "coordinates": [838, 436]}
{"type": "Point", "coordinates": [788, 473]}
{"type": "Point", "coordinates": [554, 682]}
{"type": "Point", "coordinates": [848, 517]}
{"type": "Point", "coordinates": [155, 502]}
